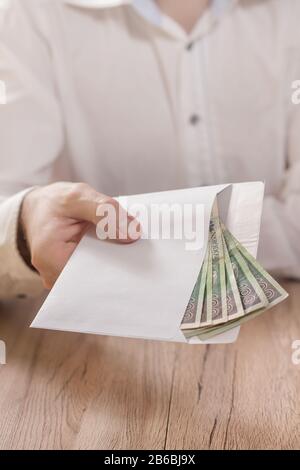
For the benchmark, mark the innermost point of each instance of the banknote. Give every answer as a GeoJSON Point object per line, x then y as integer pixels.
{"type": "Point", "coordinates": [192, 316]}
{"type": "Point", "coordinates": [218, 298]}
{"type": "Point", "coordinates": [271, 288]}
{"type": "Point", "coordinates": [235, 307]}
{"type": "Point", "coordinates": [207, 318]}
{"type": "Point", "coordinates": [251, 294]}
{"type": "Point", "coordinates": [208, 332]}
{"type": "Point", "coordinates": [232, 287]}
{"type": "Point", "coordinates": [188, 320]}
{"type": "Point", "coordinates": [252, 297]}
{"type": "Point", "coordinates": [204, 316]}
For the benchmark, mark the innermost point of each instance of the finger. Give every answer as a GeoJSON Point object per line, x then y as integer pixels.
{"type": "Point", "coordinates": [84, 203]}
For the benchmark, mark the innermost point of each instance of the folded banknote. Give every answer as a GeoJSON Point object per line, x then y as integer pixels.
{"type": "Point", "coordinates": [232, 287]}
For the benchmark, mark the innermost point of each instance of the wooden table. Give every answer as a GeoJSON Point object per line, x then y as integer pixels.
{"type": "Point", "coordinates": [72, 391]}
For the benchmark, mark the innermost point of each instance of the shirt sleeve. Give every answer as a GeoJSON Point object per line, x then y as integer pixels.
{"type": "Point", "coordinates": [279, 249]}
{"type": "Point", "coordinates": [31, 131]}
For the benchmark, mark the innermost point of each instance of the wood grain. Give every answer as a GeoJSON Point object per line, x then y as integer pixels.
{"type": "Point", "coordinates": [71, 391]}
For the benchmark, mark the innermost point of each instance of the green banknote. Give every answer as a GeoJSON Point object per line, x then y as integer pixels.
{"type": "Point", "coordinates": [271, 288]}
{"type": "Point", "coordinates": [192, 316]}
{"type": "Point", "coordinates": [206, 333]}
{"type": "Point", "coordinates": [235, 307]}
{"type": "Point", "coordinates": [231, 289]}
{"type": "Point", "coordinates": [218, 303]}
{"type": "Point", "coordinates": [188, 320]}
{"type": "Point", "coordinates": [251, 294]}
{"type": "Point", "coordinates": [207, 313]}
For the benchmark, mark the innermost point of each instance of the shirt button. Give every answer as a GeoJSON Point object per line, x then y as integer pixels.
{"type": "Point", "coordinates": [194, 119]}
{"type": "Point", "coordinates": [190, 46]}
{"type": "Point", "coordinates": [22, 296]}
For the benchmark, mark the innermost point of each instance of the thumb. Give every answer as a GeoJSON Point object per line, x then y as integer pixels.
{"type": "Point", "coordinates": [111, 219]}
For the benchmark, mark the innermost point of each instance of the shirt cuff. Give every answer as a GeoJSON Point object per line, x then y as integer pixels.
{"type": "Point", "coordinates": [275, 252]}
{"type": "Point", "coordinates": [20, 279]}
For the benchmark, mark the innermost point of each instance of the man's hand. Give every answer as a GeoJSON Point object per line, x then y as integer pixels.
{"type": "Point", "coordinates": [54, 218]}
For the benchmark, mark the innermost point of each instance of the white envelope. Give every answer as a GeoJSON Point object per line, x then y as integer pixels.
{"type": "Point", "coordinates": [141, 290]}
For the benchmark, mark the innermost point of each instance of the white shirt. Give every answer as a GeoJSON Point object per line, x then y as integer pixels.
{"type": "Point", "coordinates": [116, 94]}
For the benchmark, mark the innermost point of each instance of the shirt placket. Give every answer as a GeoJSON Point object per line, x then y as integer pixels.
{"type": "Point", "coordinates": [194, 115]}
{"type": "Point", "coordinates": [190, 108]}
